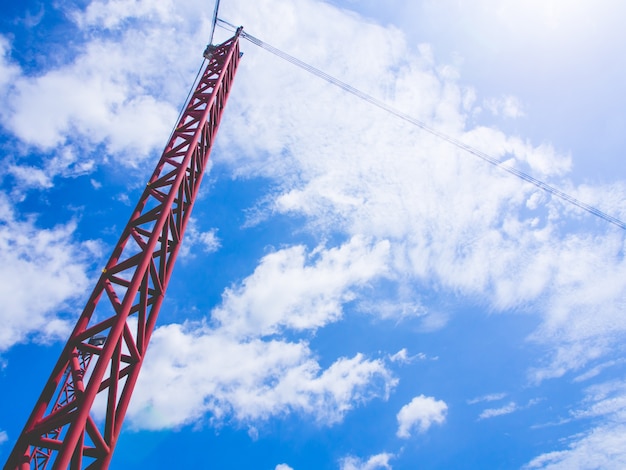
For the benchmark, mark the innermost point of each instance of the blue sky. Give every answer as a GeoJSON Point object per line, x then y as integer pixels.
{"type": "Point", "coordinates": [353, 293]}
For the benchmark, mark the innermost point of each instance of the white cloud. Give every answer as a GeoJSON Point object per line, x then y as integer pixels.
{"type": "Point", "coordinates": [403, 357]}
{"type": "Point", "coordinates": [595, 371]}
{"type": "Point", "coordinates": [603, 444]}
{"type": "Point", "coordinates": [509, 408]}
{"type": "Point", "coordinates": [507, 106]}
{"type": "Point", "coordinates": [297, 290]}
{"type": "Point", "coordinates": [112, 14]}
{"type": "Point", "coordinates": [8, 70]}
{"type": "Point", "coordinates": [396, 309]}
{"type": "Point", "coordinates": [31, 177]}
{"type": "Point", "coordinates": [583, 321]}
{"type": "Point", "coordinates": [452, 221]}
{"type": "Point", "coordinates": [207, 241]}
{"type": "Point", "coordinates": [602, 447]}
{"type": "Point", "coordinates": [212, 373]}
{"type": "Point", "coordinates": [231, 372]}
{"type": "Point", "coordinates": [413, 207]}
{"type": "Point", "coordinates": [4, 437]}
{"type": "Point", "coordinates": [49, 111]}
{"type": "Point", "coordinates": [65, 162]}
{"type": "Point", "coordinates": [31, 20]}
{"type": "Point", "coordinates": [283, 466]}
{"type": "Point", "coordinates": [133, 81]}
{"type": "Point", "coordinates": [253, 432]}
{"type": "Point", "coordinates": [606, 399]}
{"type": "Point", "coordinates": [378, 461]}
{"type": "Point", "coordinates": [421, 413]}
{"type": "Point", "coordinates": [487, 398]}
{"type": "Point", "coordinates": [41, 271]}
{"type": "Point", "coordinates": [503, 410]}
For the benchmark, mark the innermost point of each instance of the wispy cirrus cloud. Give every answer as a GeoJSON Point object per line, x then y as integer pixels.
{"type": "Point", "coordinates": [602, 444]}
{"type": "Point", "coordinates": [503, 410]}
{"type": "Point", "coordinates": [487, 398]}
{"type": "Point", "coordinates": [508, 408]}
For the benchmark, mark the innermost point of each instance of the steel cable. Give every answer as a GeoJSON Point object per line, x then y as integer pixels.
{"type": "Point", "coordinates": [214, 22]}
{"type": "Point", "coordinates": [459, 144]}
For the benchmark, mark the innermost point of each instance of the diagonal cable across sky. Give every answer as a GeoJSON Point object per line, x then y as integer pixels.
{"type": "Point", "coordinates": [416, 122]}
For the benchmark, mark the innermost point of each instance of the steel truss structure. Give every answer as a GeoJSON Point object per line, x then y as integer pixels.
{"type": "Point", "coordinates": [103, 356]}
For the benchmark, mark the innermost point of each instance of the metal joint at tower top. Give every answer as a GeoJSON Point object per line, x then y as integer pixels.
{"type": "Point", "coordinates": [211, 48]}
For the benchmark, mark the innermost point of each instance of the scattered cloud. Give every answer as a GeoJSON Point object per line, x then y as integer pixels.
{"type": "Point", "coordinates": [597, 370]}
{"type": "Point", "coordinates": [294, 289]}
{"type": "Point", "coordinates": [421, 413]}
{"type": "Point", "coordinates": [400, 307]}
{"type": "Point", "coordinates": [506, 106]}
{"type": "Point", "coordinates": [206, 241]}
{"type": "Point", "coordinates": [403, 357]}
{"type": "Point", "coordinates": [253, 432]}
{"type": "Point", "coordinates": [375, 462]}
{"type": "Point", "coordinates": [242, 369]}
{"type": "Point", "coordinates": [113, 14]}
{"type": "Point", "coordinates": [503, 410]}
{"type": "Point", "coordinates": [3, 437]}
{"type": "Point", "coordinates": [31, 20]}
{"type": "Point", "coordinates": [8, 70]}
{"type": "Point", "coordinates": [47, 262]}
{"type": "Point", "coordinates": [607, 399]}
{"type": "Point", "coordinates": [48, 111]}
{"type": "Point", "coordinates": [65, 163]}
{"type": "Point", "coordinates": [214, 374]}
{"type": "Point", "coordinates": [487, 398]}
{"type": "Point", "coordinates": [453, 223]}
{"type": "Point", "coordinates": [283, 466]}
{"type": "Point", "coordinates": [31, 177]}
{"type": "Point", "coordinates": [603, 444]}
{"type": "Point", "coordinates": [509, 408]}
{"type": "Point", "coordinates": [491, 236]}
{"type": "Point", "coordinates": [414, 210]}
{"type": "Point", "coordinates": [602, 447]}
{"type": "Point", "coordinates": [126, 78]}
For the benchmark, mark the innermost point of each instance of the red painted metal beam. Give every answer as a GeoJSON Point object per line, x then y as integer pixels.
{"type": "Point", "coordinates": [104, 356]}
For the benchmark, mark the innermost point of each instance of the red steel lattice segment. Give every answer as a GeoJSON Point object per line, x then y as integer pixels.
{"type": "Point", "coordinates": [105, 351]}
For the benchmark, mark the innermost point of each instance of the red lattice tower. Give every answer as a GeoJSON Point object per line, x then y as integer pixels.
{"type": "Point", "coordinates": [105, 351]}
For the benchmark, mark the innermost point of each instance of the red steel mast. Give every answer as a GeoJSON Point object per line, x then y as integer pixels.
{"type": "Point", "coordinates": [105, 351]}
